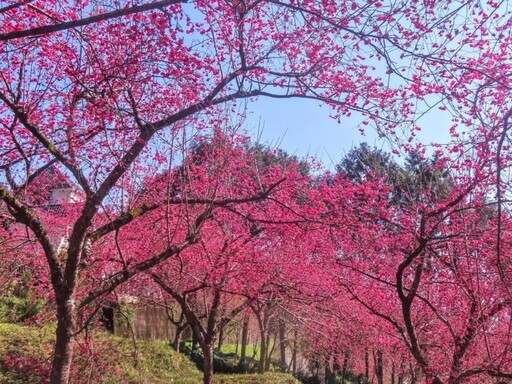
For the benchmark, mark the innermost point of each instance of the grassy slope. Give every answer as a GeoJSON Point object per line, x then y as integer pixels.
{"type": "Point", "coordinates": [25, 354]}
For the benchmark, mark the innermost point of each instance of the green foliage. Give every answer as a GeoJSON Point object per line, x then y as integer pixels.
{"type": "Point", "coordinates": [418, 179]}
{"type": "Point", "coordinates": [19, 302]}
{"type": "Point", "coordinates": [14, 309]}
{"type": "Point", "coordinates": [365, 163]}
{"type": "Point", "coordinates": [266, 157]}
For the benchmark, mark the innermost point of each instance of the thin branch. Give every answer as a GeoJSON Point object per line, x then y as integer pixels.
{"type": "Point", "coordinates": [48, 29]}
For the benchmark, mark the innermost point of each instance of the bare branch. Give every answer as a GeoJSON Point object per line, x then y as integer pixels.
{"type": "Point", "coordinates": [47, 29]}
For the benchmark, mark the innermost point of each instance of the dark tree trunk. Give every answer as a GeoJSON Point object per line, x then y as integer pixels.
{"type": "Point", "coordinates": [344, 368]}
{"type": "Point", "coordinates": [245, 337]}
{"type": "Point", "coordinates": [180, 325]}
{"type": "Point", "coordinates": [65, 337]}
{"type": "Point", "coordinates": [270, 352]}
{"type": "Point", "coordinates": [294, 353]}
{"type": "Point", "coordinates": [263, 351]}
{"type": "Point", "coordinates": [330, 376]}
{"type": "Point", "coordinates": [237, 342]}
{"type": "Point", "coordinates": [221, 338]}
{"type": "Point", "coordinates": [282, 342]}
{"type": "Point", "coordinates": [195, 342]}
{"type": "Point", "coordinates": [366, 364]}
{"type": "Point", "coordinates": [262, 325]}
{"type": "Point", "coordinates": [393, 374]}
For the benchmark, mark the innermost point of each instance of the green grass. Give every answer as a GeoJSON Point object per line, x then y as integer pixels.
{"type": "Point", "coordinates": [231, 348]}
{"type": "Point", "coordinates": [267, 378]}
{"type": "Point", "coordinates": [25, 354]}
{"type": "Point", "coordinates": [249, 351]}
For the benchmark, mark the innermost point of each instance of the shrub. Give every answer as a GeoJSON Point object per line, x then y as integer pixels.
{"type": "Point", "coordinates": [19, 302]}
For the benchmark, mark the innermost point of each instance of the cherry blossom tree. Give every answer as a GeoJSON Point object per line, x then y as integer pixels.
{"type": "Point", "coordinates": [234, 263]}
{"type": "Point", "coordinates": [431, 279]}
{"type": "Point", "coordinates": [411, 278]}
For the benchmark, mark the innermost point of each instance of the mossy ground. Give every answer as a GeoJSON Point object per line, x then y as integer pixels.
{"type": "Point", "coordinates": [25, 354]}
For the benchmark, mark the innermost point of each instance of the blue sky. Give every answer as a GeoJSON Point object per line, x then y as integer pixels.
{"type": "Point", "coordinates": [304, 128]}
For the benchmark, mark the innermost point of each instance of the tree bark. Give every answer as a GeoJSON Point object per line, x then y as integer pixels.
{"type": "Point", "coordinates": [263, 352]}
{"type": "Point", "coordinates": [282, 342]}
{"type": "Point", "coordinates": [294, 353]}
{"type": "Point", "coordinates": [262, 324]}
{"type": "Point", "coordinates": [330, 375]}
{"type": "Point", "coordinates": [64, 342]}
{"type": "Point", "coordinates": [221, 338]}
{"type": "Point", "coordinates": [208, 363]}
{"type": "Point", "coordinates": [195, 342]}
{"type": "Point", "coordinates": [366, 364]}
{"type": "Point", "coordinates": [270, 351]}
{"type": "Point", "coordinates": [245, 337]}
{"type": "Point", "coordinates": [379, 369]}
{"type": "Point", "coordinates": [177, 337]}
{"type": "Point", "coordinates": [344, 369]}
{"type": "Point", "coordinates": [413, 376]}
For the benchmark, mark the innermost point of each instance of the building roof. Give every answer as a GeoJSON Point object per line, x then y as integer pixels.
{"type": "Point", "coordinates": [39, 192]}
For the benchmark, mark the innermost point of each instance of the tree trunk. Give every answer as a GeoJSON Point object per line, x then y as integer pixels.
{"type": "Point", "coordinates": [282, 342]}
{"type": "Point", "coordinates": [393, 374]}
{"type": "Point", "coordinates": [262, 325]}
{"type": "Point", "coordinates": [245, 337]}
{"type": "Point", "coordinates": [263, 352]}
{"type": "Point", "coordinates": [344, 369]}
{"type": "Point", "coordinates": [413, 377]}
{"type": "Point", "coordinates": [208, 363]}
{"type": "Point", "coordinates": [237, 342]}
{"type": "Point", "coordinates": [270, 352]}
{"type": "Point", "coordinates": [379, 369]}
{"type": "Point", "coordinates": [64, 342]}
{"type": "Point", "coordinates": [221, 338]}
{"type": "Point", "coordinates": [177, 337]}
{"type": "Point", "coordinates": [195, 342]}
{"type": "Point", "coordinates": [366, 364]}
{"type": "Point", "coordinates": [330, 376]}
{"type": "Point", "coordinates": [294, 353]}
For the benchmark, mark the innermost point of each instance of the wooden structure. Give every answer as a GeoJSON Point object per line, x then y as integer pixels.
{"type": "Point", "coordinates": [142, 321]}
